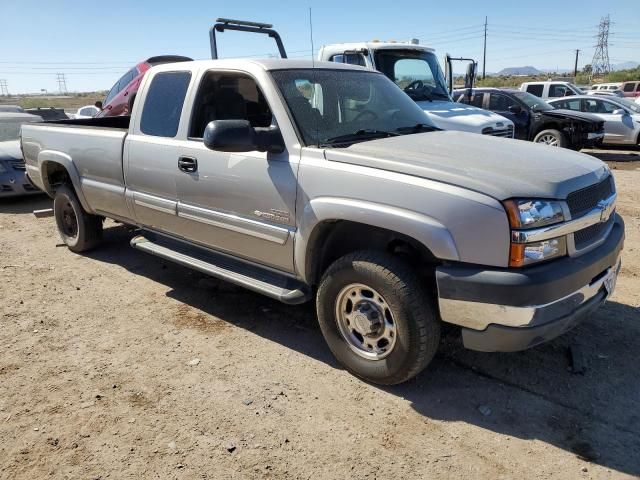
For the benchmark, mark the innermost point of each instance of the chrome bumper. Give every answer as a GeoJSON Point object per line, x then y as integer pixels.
{"type": "Point", "coordinates": [478, 316]}
{"type": "Point", "coordinates": [506, 309]}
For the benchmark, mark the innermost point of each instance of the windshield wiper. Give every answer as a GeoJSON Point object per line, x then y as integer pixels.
{"type": "Point", "coordinates": [357, 136]}
{"type": "Point", "coordinates": [417, 128]}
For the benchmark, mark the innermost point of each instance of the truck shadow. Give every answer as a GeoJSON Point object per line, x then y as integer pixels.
{"type": "Point", "coordinates": [531, 395]}
{"type": "Point", "coordinates": [18, 205]}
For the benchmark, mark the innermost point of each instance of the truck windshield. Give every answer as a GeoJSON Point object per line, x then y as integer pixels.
{"type": "Point", "coordinates": [341, 107]}
{"type": "Point", "coordinates": [417, 72]}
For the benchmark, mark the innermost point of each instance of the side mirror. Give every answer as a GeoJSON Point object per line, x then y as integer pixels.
{"type": "Point", "coordinates": [240, 136]}
{"type": "Point", "coordinates": [618, 111]}
{"type": "Point", "coordinates": [515, 109]}
{"type": "Point", "coordinates": [470, 76]}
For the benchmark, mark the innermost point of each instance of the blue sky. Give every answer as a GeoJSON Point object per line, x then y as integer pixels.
{"type": "Point", "coordinates": [94, 42]}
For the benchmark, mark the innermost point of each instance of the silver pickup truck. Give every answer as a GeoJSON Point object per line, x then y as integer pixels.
{"type": "Point", "coordinates": [326, 182]}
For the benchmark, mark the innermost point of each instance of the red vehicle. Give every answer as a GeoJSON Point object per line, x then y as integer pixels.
{"type": "Point", "coordinates": [121, 96]}
{"type": "Point", "coordinates": [631, 89]}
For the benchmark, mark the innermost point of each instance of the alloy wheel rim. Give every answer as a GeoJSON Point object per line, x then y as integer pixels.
{"type": "Point", "coordinates": [366, 321]}
{"type": "Point", "coordinates": [550, 140]}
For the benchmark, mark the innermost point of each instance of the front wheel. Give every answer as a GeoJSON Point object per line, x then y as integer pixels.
{"type": "Point", "coordinates": [553, 138]}
{"type": "Point", "coordinates": [79, 230]}
{"type": "Point", "coordinates": [376, 317]}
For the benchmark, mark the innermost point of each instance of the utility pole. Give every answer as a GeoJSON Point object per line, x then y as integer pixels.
{"type": "Point", "coordinates": [575, 68]}
{"type": "Point", "coordinates": [4, 90]}
{"type": "Point", "coordinates": [600, 65]}
{"type": "Point", "coordinates": [484, 53]}
{"type": "Point", "coordinates": [62, 82]}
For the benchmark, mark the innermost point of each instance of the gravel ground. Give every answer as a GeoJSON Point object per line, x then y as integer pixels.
{"type": "Point", "coordinates": [116, 364]}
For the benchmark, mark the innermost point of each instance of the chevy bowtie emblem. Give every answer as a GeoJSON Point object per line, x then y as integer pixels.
{"type": "Point", "coordinates": [605, 210]}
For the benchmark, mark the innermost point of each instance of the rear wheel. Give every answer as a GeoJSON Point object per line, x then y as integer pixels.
{"type": "Point", "coordinates": [376, 317]}
{"type": "Point", "coordinates": [553, 138]}
{"type": "Point", "coordinates": [79, 230]}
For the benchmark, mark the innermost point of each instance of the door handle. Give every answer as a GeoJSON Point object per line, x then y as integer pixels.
{"type": "Point", "coordinates": [188, 164]}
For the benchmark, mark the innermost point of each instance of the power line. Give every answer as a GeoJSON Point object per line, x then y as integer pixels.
{"type": "Point", "coordinates": [4, 90]}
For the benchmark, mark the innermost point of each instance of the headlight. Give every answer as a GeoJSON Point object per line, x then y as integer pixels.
{"type": "Point", "coordinates": [530, 214]}
{"type": "Point", "coordinates": [523, 254]}
{"type": "Point", "coordinates": [533, 213]}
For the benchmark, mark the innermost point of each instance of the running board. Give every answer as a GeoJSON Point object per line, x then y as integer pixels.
{"type": "Point", "coordinates": [269, 283]}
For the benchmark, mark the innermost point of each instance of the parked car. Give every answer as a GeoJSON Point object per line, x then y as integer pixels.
{"type": "Point", "coordinates": [48, 113]}
{"type": "Point", "coordinates": [606, 93]}
{"type": "Point", "coordinates": [631, 89]}
{"type": "Point", "coordinates": [537, 121]}
{"type": "Point", "coordinates": [13, 176]}
{"type": "Point", "coordinates": [349, 197]}
{"type": "Point", "coordinates": [11, 108]}
{"type": "Point", "coordinates": [607, 87]}
{"type": "Point", "coordinates": [621, 116]}
{"type": "Point", "coordinates": [416, 70]}
{"type": "Point", "coordinates": [88, 111]}
{"type": "Point", "coordinates": [551, 89]}
{"type": "Point", "coordinates": [122, 95]}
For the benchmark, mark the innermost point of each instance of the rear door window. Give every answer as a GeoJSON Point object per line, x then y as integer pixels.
{"type": "Point", "coordinates": [536, 90]}
{"type": "Point", "coordinates": [163, 104]}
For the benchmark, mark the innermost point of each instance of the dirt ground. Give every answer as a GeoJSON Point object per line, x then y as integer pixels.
{"type": "Point", "coordinates": [118, 365]}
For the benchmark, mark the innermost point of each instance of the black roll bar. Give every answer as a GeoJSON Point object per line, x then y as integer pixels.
{"type": "Point", "coordinates": [243, 26]}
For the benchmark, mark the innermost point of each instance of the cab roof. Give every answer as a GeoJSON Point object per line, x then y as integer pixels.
{"type": "Point", "coordinates": [266, 64]}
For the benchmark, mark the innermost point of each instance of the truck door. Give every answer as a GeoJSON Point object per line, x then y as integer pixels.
{"type": "Point", "coordinates": [151, 152]}
{"type": "Point", "coordinates": [241, 203]}
{"type": "Point", "coordinates": [509, 108]}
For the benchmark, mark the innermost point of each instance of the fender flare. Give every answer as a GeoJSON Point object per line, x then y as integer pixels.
{"type": "Point", "coordinates": [50, 156]}
{"type": "Point", "coordinates": [422, 228]}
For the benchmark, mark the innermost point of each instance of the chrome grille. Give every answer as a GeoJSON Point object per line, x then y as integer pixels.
{"type": "Point", "coordinates": [581, 201]}
{"type": "Point", "coordinates": [585, 237]}
{"type": "Point", "coordinates": [17, 164]}
{"type": "Point", "coordinates": [499, 132]}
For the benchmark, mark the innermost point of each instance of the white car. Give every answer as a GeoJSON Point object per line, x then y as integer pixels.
{"type": "Point", "coordinates": [607, 87]}
{"type": "Point", "coordinates": [88, 111]}
{"type": "Point", "coordinates": [621, 116]}
{"type": "Point", "coordinates": [551, 89]}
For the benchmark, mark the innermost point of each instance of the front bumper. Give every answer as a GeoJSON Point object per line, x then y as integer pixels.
{"type": "Point", "coordinates": [16, 183]}
{"type": "Point", "coordinates": [514, 309]}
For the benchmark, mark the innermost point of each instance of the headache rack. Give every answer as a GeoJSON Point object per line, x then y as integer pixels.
{"type": "Point", "coordinates": [243, 26]}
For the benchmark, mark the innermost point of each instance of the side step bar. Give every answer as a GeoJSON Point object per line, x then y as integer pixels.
{"type": "Point", "coordinates": [269, 283]}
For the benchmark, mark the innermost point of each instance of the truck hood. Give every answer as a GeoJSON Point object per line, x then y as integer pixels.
{"type": "Point", "coordinates": [459, 116]}
{"type": "Point", "coordinates": [10, 150]}
{"type": "Point", "coordinates": [498, 167]}
{"type": "Point", "coordinates": [562, 113]}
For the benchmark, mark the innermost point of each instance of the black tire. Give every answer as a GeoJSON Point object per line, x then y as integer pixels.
{"type": "Point", "coordinates": [414, 314]}
{"type": "Point", "coordinates": [79, 230]}
{"type": "Point", "coordinates": [560, 139]}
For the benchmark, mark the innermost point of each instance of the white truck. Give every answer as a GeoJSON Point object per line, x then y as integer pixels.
{"type": "Point", "coordinates": [416, 70]}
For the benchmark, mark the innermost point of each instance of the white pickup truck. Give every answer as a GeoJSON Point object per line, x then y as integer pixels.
{"type": "Point", "coordinates": [349, 198]}
{"type": "Point", "coordinates": [416, 70]}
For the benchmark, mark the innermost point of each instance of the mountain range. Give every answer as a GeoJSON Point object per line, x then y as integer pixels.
{"type": "Point", "coordinates": [529, 70]}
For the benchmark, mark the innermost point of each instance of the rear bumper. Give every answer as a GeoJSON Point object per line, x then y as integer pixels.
{"type": "Point", "coordinates": [510, 310]}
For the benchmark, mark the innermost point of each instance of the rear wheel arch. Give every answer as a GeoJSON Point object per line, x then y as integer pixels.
{"type": "Point", "coordinates": [55, 173]}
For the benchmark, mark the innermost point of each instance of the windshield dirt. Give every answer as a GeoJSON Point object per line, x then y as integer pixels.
{"type": "Point", "coordinates": [417, 72]}
{"type": "Point", "coordinates": [341, 107]}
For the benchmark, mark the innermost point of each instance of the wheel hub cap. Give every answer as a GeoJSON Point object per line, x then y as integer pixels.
{"type": "Point", "coordinates": [365, 321]}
